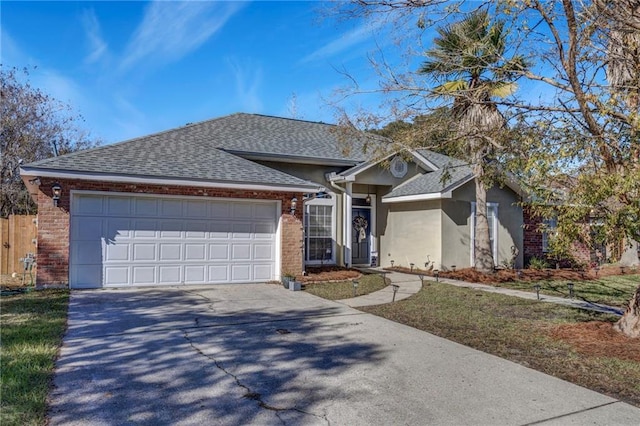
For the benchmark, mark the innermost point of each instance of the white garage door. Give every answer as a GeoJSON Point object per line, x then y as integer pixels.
{"type": "Point", "coordinates": [122, 240]}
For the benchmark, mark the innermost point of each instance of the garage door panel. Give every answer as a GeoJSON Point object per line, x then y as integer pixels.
{"type": "Point", "coordinates": [87, 228]}
{"type": "Point", "coordinates": [87, 276]}
{"type": "Point", "coordinates": [195, 252]}
{"type": "Point", "coordinates": [242, 211]}
{"type": "Point", "coordinates": [145, 206]}
{"type": "Point", "coordinates": [262, 272]}
{"type": "Point", "coordinates": [262, 252]}
{"type": "Point", "coordinates": [118, 206]}
{"type": "Point", "coordinates": [194, 274]}
{"type": "Point", "coordinates": [171, 208]}
{"type": "Point", "coordinates": [220, 211]}
{"type": "Point", "coordinates": [116, 253]}
{"type": "Point", "coordinates": [241, 252]}
{"type": "Point", "coordinates": [218, 252]}
{"type": "Point", "coordinates": [196, 209]}
{"type": "Point", "coordinates": [241, 273]}
{"type": "Point", "coordinates": [145, 229]}
{"type": "Point", "coordinates": [171, 229]}
{"type": "Point", "coordinates": [241, 231]}
{"type": "Point", "coordinates": [144, 275]}
{"type": "Point", "coordinates": [265, 211]}
{"type": "Point", "coordinates": [199, 229]}
{"type": "Point", "coordinates": [170, 251]}
{"type": "Point", "coordinates": [89, 205]}
{"type": "Point", "coordinates": [144, 252]}
{"type": "Point", "coordinates": [118, 240]}
{"type": "Point", "coordinates": [218, 273]}
{"type": "Point", "coordinates": [220, 230]}
{"type": "Point", "coordinates": [118, 229]}
{"type": "Point", "coordinates": [169, 274]}
{"type": "Point", "coordinates": [87, 252]}
{"type": "Point", "coordinates": [116, 275]}
{"type": "Point", "coordinates": [264, 231]}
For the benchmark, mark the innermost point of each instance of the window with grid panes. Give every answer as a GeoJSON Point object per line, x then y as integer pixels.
{"type": "Point", "coordinates": [318, 233]}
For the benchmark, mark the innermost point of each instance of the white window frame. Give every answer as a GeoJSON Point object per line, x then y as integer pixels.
{"type": "Point", "coordinates": [494, 236]}
{"type": "Point", "coordinates": [550, 230]}
{"type": "Point", "coordinates": [331, 202]}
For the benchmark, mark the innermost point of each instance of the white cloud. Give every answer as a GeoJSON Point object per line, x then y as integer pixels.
{"type": "Point", "coordinates": [97, 46]}
{"type": "Point", "coordinates": [170, 30]}
{"type": "Point", "coordinates": [248, 78]}
{"type": "Point", "coordinates": [345, 41]}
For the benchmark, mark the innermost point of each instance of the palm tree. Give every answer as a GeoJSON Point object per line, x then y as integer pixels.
{"type": "Point", "coordinates": [468, 65]}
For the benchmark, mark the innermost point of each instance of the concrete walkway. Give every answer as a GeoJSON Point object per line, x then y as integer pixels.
{"type": "Point", "coordinates": [410, 284]}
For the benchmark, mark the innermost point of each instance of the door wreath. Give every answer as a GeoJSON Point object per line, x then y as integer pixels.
{"type": "Point", "coordinates": [360, 224]}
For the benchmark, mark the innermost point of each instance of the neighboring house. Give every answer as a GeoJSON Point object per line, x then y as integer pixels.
{"type": "Point", "coordinates": [248, 198]}
{"type": "Point", "coordinates": [538, 233]}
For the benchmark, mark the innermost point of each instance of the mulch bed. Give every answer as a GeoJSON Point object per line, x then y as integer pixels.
{"type": "Point", "coordinates": [598, 338]}
{"type": "Point", "coordinates": [504, 275]}
{"type": "Point", "coordinates": [328, 273]}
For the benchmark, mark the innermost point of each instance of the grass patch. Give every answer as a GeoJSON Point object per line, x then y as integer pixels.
{"type": "Point", "coordinates": [32, 328]}
{"type": "Point", "coordinates": [614, 290]}
{"type": "Point", "coordinates": [525, 332]}
{"type": "Point", "coordinates": [344, 289]}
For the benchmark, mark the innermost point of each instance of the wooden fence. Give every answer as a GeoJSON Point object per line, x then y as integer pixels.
{"type": "Point", "coordinates": [18, 237]}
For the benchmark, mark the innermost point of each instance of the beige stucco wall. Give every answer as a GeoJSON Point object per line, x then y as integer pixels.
{"type": "Point", "coordinates": [411, 233]}
{"type": "Point", "coordinates": [510, 231]}
{"type": "Point", "coordinates": [456, 236]}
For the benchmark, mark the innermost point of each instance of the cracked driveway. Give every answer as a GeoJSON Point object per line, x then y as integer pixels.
{"type": "Point", "coordinates": [258, 354]}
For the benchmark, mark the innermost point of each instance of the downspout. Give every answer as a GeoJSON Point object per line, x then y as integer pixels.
{"type": "Point", "coordinates": [346, 247]}
{"type": "Point", "coordinates": [348, 197]}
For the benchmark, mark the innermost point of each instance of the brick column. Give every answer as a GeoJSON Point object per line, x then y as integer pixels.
{"type": "Point", "coordinates": [53, 236]}
{"type": "Point", "coordinates": [292, 238]}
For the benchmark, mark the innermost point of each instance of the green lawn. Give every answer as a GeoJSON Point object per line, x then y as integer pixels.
{"type": "Point", "coordinates": [344, 289]}
{"type": "Point", "coordinates": [518, 330]}
{"type": "Point", "coordinates": [524, 331]}
{"type": "Point", "coordinates": [31, 332]}
{"type": "Point", "coordinates": [612, 290]}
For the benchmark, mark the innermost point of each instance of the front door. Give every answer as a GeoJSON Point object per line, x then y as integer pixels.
{"type": "Point", "coordinates": [361, 232]}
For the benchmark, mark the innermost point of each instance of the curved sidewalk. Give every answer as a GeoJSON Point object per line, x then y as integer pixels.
{"type": "Point", "coordinates": [410, 284]}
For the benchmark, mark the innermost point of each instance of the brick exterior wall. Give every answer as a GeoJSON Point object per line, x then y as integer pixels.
{"type": "Point", "coordinates": [533, 243]}
{"type": "Point", "coordinates": [53, 222]}
{"type": "Point", "coordinates": [532, 238]}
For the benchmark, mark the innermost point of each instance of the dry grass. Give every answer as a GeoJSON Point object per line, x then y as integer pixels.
{"type": "Point", "coordinates": [568, 343]}
{"type": "Point", "coordinates": [344, 289]}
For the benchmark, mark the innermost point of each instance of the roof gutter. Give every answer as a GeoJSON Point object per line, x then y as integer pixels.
{"type": "Point", "coordinates": [31, 173]}
{"type": "Point", "coordinates": [418, 197]}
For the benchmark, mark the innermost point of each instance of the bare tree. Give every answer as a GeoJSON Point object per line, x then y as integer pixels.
{"type": "Point", "coordinates": [584, 124]}
{"type": "Point", "coordinates": [33, 126]}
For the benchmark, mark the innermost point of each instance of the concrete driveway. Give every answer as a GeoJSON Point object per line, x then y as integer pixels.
{"type": "Point", "coordinates": [258, 354]}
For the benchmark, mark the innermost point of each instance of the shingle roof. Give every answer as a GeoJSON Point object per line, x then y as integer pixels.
{"type": "Point", "coordinates": [152, 157]}
{"type": "Point", "coordinates": [441, 161]}
{"type": "Point", "coordinates": [197, 151]}
{"type": "Point", "coordinates": [433, 182]}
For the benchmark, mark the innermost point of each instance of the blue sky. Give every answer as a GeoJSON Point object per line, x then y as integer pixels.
{"type": "Point", "coordinates": [133, 68]}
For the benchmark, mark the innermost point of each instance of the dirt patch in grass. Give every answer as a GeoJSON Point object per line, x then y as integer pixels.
{"type": "Point", "coordinates": [597, 338]}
